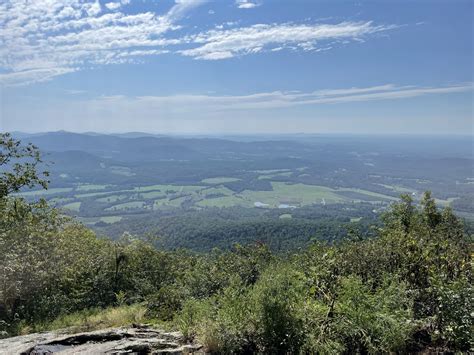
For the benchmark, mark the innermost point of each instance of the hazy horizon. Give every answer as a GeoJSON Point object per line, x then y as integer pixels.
{"type": "Point", "coordinates": [230, 134]}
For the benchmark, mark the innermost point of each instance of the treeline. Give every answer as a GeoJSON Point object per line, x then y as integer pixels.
{"type": "Point", "coordinates": [223, 227]}
{"type": "Point", "coordinates": [406, 287]}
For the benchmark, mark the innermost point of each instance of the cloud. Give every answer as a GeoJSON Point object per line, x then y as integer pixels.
{"type": "Point", "coordinates": [116, 5]}
{"type": "Point", "coordinates": [181, 8]}
{"type": "Point", "coordinates": [27, 77]}
{"type": "Point", "coordinates": [276, 111]}
{"type": "Point", "coordinates": [221, 44]}
{"type": "Point", "coordinates": [246, 4]}
{"type": "Point", "coordinates": [43, 39]}
{"type": "Point", "coordinates": [113, 5]}
{"type": "Point", "coordinates": [94, 9]}
{"type": "Point", "coordinates": [46, 38]}
{"type": "Point", "coordinates": [273, 100]}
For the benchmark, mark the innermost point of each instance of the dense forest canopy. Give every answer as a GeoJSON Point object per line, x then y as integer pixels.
{"type": "Point", "coordinates": [402, 284]}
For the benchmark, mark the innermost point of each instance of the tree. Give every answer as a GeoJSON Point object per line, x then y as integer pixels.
{"type": "Point", "coordinates": [19, 166]}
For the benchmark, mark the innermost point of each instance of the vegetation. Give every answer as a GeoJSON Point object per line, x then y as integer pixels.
{"type": "Point", "coordinates": [172, 176]}
{"type": "Point", "coordinates": [403, 285]}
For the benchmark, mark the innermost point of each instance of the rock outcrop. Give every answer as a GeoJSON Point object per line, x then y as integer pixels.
{"type": "Point", "coordinates": [134, 340]}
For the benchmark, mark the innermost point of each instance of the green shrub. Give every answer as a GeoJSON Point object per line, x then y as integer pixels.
{"type": "Point", "coordinates": [276, 300]}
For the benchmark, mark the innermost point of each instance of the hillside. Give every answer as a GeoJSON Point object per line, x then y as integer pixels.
{"type": "Point", "coordinates": [142, 183]}
{"type": "Point", "coordinates": [402, 284]}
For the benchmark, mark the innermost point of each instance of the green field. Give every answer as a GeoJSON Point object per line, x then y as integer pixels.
{"type": "Point", "coordinates": [90, 187]}
{"type": "Point", "coordinates": [94, 220]}
{"type": "Point", "coordinates": [111, 219]}
{"type": "Point", "coordinates": [166, 203]}
{"type": "Point", "coordinates": [91, 194]}
{"type": "Point", "coordinates": [293, 194]}
{"type": "Point", "coordinates": [168, 188]}
{"type": "Point", "coordinates": [152, 194]}
{"type": "Point", "coordinates": [112, 198]}
{"type": "Point", "coordinates": [369, 193]}
{"type": "Point", "coordinates": [399, 189]}
{"type": "Point", "coordinates": [219, 180]}
{"type": "Point", "coordinates": [216, 190]}
{"type": "Point", "coordinates": [224, 201]}
{"type": "Point", "coordinates": [214, 194]}
{"type": "Point", "coordinates": [126, 206]}
{"type": "Point", "coordinates": [270, 171]}
{"type": "Point", "coordinates": [276, 175]}
{"type": "Point", "coordinates": [74, 206]}
{"type": "Point", "coordinates": [60, 200]}
{"type": "Point", "coordinates": [57, 190]}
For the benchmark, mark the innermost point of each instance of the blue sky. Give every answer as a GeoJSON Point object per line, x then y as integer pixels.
{"type": "Point", "coordinates": [237, 66]}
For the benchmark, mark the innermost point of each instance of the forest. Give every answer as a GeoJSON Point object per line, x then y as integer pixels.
{"type": "Point", "coordinates": [401, 283]}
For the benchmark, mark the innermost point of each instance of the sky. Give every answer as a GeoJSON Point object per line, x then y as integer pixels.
{"type": "Point", "coordinates": [237, 66]}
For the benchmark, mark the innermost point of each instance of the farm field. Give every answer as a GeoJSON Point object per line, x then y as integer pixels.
{"type": "Point", "coordinates": [278, 178]}
{"type": "Point", "coordinates": [219, 180]}
{"type": "Point", "coordinates": [109, 204]}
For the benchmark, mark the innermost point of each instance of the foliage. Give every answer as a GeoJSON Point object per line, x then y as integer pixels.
{"type": "Point", "coordinates": [404, 285]}
{"type": "Point", "coordinates": [19, 164]}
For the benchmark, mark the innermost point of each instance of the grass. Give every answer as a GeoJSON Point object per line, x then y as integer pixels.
{"type": "Point", "coordinates": [370, 193]}
{"type": "Point", "coordinates": [172, 196]}
{"type": "Point", "coordinates": [216, 190]}
{"type": "Point", "coordinates": [112, 198]}
{"type": "Point", "coordinates": [74, 206]}
{"type": "Point", "coordinates": [53, 191]}
{"type": "Point", "coordinates": [272, 176]}
{"type": "Point", "coordinates": [111, 219]}
{"type": "Point", "coordinates": [219, 180]}
{"type": "Point", "coordinates": [94, 319]}
{"type": "Point", "coordinates": [164, 202]}
{"type": "Point", "coordinates": [166, 188]}
{"type": "Point", "coordinates": [89, 187]}
{"type": "Point", "coordinates": [224, 201]}
{"type": "Point", "coordinates": [152, 194]}
{"type": "Point", "coordinates": [92, 194]}
{"type": "Point", "coordinates": [127, 205]}
{"type": "Point", "coordinates": [292, 194]}
{"type": "Point", "coordinates": [271, 171]}
{"type": "Point", "coordinates": [300, 194]}
{"type": "Point", "coordinates": [59, 200]}
{"type": "Point", "coordinates": [399, 189]}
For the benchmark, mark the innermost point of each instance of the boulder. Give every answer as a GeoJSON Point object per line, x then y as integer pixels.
{"type": "Point", "coordinates": [138, 339]}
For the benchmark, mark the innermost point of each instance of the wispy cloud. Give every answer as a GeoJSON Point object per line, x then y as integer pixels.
{"type": "Point", "coordinates": [276, 99]}
{"type": "Point", "coordinates": [45, 38]}
{"type": "Point", "coordinates": [221, 44]}
{"type": "Point", "coordinates": [26, 77]}
{"type": "Point", "coordinates": [246, 4]}
{"type": "Point", "coordinates": [276, 111]}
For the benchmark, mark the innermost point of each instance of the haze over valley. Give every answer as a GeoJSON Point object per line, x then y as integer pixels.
{"type": "Point", "coordinates": [143, 183]}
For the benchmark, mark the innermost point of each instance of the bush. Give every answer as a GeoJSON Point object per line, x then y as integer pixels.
{"type": "Point", "coordinates": [276, 300]}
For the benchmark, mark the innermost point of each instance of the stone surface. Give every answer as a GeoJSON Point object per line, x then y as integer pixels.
{"type": "Point", "coordinates": [133, 340]}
